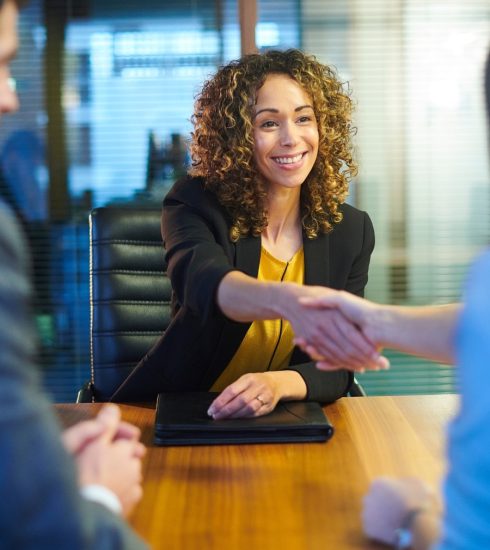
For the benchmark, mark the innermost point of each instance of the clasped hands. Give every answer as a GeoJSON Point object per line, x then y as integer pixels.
{"type": "Point", "coordinates": [107, 452]}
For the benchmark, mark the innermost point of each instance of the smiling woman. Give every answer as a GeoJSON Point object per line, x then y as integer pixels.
{"type": "Point", "coordinates": [259, 223]}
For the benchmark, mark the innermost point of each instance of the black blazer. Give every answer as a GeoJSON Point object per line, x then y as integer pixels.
{"type": "Point", "coordinates": [200, 341]}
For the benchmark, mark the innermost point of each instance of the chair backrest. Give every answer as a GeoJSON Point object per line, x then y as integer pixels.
{"type": "Point", "coordinates": [130, 292]}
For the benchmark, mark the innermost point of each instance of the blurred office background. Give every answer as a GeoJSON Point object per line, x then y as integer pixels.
{"type": "Point", "coordinates": [107, 89]}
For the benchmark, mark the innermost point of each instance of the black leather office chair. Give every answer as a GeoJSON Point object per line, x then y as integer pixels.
{"type": "Point", "coordinates": [129, 294]}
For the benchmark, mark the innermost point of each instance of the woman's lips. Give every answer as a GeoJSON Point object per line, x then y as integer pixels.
{"type": "Point", "coordinates": [289, 161]}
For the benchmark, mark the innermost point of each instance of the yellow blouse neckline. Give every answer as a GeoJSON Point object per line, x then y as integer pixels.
{"type": "Point", "coordinates": [279, 261]}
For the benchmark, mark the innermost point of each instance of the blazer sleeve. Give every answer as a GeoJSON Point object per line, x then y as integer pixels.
{"type": "Point", "coordinates": [38, 480]}
{"type": "Point", "coordinates": [326, 387]}
{"type": "Point", "coordinates": [193, 237]}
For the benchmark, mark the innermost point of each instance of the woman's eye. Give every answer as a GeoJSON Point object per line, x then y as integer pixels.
{"type": "Point", "coordinates": [304, 119]}
{"type": "Point", "coordinates": [268, 124]}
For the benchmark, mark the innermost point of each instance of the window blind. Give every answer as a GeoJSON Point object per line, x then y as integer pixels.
{"type": "Point", "coordinates": [129, 73]}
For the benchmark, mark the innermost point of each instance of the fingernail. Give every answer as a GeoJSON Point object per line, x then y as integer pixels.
{"type": "Point", "coordinates": [210, 411]}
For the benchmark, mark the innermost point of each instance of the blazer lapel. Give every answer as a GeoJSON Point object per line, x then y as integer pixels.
{"type": "Point", "coordinates": [317, 260]}
{"type": "Point", "coordinates": [247, 255]}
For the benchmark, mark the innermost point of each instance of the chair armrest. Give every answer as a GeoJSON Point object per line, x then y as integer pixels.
{"type": "Point", "coordinates": [356, 390]}
{"type": "Point", "coordinates": [86, 393]}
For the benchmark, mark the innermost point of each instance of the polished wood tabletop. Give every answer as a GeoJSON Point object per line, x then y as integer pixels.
{"type": "Point", "coordinates": [304, 496]}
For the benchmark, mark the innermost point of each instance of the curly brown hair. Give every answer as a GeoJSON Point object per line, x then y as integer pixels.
{"type": "Point", "coordinates": [222, 146]}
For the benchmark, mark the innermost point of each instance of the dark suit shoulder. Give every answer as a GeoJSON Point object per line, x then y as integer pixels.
{"type": "Point", "coordinates": [191, 191]}
{"type": "Point", "coordinates": [352, 215]}
{"type": "Point", "coordinates": [354, 222]}
{"type": "Point", "coordinates": [354, 235]}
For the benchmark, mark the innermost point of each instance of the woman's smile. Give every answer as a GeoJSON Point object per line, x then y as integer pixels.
{"type": "Point", "coordinates": [289, 162]}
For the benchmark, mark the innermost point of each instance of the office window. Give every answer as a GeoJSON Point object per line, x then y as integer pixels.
{"type": "Point", "coordinates": [128, 72]}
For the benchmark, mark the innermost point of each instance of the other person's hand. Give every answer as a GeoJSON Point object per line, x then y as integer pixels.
{"type": "Point", "coordinates": [77, 436]}
{"type": "Point", "coordinates": [390, 502]}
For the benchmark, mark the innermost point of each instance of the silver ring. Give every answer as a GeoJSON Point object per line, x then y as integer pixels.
{"type": "Point", "coordinates": [263, 403]}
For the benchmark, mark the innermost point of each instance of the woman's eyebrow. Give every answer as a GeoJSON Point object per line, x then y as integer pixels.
{"type": "Point", "coordinates": [303, 107]}
{"type": "Point", "coordinates": [266, 110]}
{"type": "Point", "coordinates": [272, 110]}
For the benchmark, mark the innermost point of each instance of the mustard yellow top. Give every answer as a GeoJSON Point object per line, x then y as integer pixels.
{"type": "Point", "coordinates": [268, 344]}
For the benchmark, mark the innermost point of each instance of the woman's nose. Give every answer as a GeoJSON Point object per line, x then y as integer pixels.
{"type": "Point", "coordinates": [289, 135]}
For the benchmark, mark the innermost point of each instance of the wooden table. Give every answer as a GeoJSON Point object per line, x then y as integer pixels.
{"type": "Point", "coordinates": [284, 496]}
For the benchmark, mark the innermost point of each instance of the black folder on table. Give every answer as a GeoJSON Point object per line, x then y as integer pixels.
{"type": "Point", "coordinates": [182, 419]}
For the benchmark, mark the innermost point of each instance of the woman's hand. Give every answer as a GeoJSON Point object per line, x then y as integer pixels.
{"type": "Point", "coordinates": [256, 394]}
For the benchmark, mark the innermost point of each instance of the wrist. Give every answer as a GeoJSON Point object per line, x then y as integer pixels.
{"type": "Point", "coordinates": [283, 299]}
{"type": "Point", "coordinates": [290, 385]}
{"type": "Point", "coordinates": [102, 495]}
{"type": "Point", "coordinates": [381, 325]}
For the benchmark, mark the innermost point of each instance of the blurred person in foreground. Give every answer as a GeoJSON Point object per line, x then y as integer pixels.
{"type": "Point", "coordinates": [49, 498]}
{"type": "Point", "coordinates": [404, 512]}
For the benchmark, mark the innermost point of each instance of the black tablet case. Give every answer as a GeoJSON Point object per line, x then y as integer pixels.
{"type": "Point", "coordinates": [182, 419]}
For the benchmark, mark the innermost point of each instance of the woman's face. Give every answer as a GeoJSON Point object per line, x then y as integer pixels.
{"type": "Point", "coordinates": [285, 132]}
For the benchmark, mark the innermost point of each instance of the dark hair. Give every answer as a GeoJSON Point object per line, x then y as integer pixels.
{"type": "Point", "coordinates": [222, 141]}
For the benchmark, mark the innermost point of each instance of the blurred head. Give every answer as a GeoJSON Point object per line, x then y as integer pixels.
{"type": "Point", "coordinates": [8, 48]}
{"type": "Point", "coordinates": [223, 145]}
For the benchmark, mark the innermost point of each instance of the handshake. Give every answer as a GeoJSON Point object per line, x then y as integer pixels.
{"type": "Point", "coordinates": [337, 329]}
{"type": "Point", "coordinates": [341, 331]}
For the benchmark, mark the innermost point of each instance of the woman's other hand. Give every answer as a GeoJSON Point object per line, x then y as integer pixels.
{"type": "Point", "coordinates": [256, 394]}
